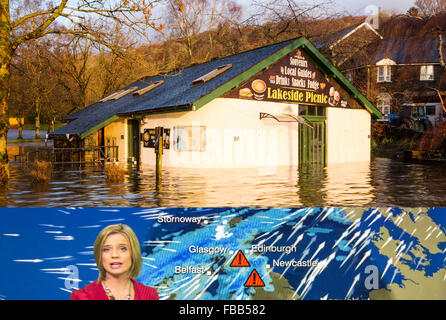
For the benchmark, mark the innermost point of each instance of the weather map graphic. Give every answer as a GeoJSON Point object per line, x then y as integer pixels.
{"type": "Point", "coordinates": [234, 253]}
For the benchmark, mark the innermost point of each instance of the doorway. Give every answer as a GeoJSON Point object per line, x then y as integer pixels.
{"type": "Point", "coordinates": [133, 140]}
{"type": "Point", "coordinates": [312, 140]}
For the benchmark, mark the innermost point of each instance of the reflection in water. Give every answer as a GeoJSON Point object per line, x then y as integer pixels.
{"type": "Point", "coordinates": [382, 182]}
{"type": "Point", "coordinates": [407, 184]}
{"type": "Point", "coordinates": [311, 184]}
{"type": "Point", "coordinates": [350, 184]}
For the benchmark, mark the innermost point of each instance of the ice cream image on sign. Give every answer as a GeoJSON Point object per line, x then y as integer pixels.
{"type": "Point", "coordinates": [337, 97]}
{"type": "Point", "coordinates": [334, 97]}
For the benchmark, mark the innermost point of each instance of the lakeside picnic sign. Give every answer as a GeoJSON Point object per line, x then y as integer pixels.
{"type": "Point", "coordinates": [292, 79]}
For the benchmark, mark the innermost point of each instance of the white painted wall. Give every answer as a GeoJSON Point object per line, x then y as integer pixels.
{"type": "Point", "coordinates": [348, 135]}
{"type": "Point", "coordinates": [236, 137]}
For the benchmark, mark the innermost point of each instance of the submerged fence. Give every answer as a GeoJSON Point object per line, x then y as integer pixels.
{"type": "Point", "coordinates": [92, 155]}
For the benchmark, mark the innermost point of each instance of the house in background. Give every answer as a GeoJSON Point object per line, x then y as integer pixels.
{"type": "Point", "coordinates": [401, 69]}
{"type": "Point", "coordinates": [282, 104]}
{"type": "Point", "coordinates": [343, 45]}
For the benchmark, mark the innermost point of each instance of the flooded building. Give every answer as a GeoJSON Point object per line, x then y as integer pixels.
{"type": "Point", "coordinates": [278, 105]}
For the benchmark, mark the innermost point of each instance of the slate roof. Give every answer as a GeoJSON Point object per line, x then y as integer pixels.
{"type": "Point", "coordinates": [177, 90]}
{"type": "Point", "coordinates": [409, 50]}
{"type": "Point", "coordinates": [337, 37]}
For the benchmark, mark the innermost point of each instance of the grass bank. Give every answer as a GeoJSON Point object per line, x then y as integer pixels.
{"type": "Point", "coordinates": [25, 140]}
{"type": "Point", "coordinates": [43, 126]}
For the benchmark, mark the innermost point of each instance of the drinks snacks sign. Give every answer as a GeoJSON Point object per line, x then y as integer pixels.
{"type": "Point", "coordinates": [293, 79]}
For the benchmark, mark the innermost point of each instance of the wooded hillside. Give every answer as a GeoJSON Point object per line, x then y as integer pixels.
{"type": "Point", "coordinates": [53, 78]}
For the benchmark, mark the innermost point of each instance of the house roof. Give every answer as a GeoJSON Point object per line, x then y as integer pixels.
{"type": "Point", "coordinates": [337, 37]}
{"type": "Point", "coordinates": [409, 50]}
{"type": "Point", "coordinates": [177, 93]}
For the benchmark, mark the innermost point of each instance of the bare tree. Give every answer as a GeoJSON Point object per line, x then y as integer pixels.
{"type": "Point", "coordinates": [33, 84]}
{"type": "Point", "coordinates": [285, 16]}
{"type": "Point", "coordinates": [18, 99]}
{"type": "Point", "coordinates": [112, 71]}
{"type": "Point", "coordinates": [186, 19]}
{"type": "Point", "coordinates": [25, 20]}
{"type": "Point", "coordinates": [71, 67]}
{"type": "Point", "coordinates": [431, 7]}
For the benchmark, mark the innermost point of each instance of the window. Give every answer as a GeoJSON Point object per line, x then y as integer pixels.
{"type": "Point", "coordinates": [384, 109]}
{"type": "Point", "coordinates": [312, 111]}
{"type": "Point", "coordinates": [383, 103]}
{"type": "Point", "coordinates": [189, 138]}
{"type": "Point", "coordinates": [427, 73]}
{"type": "Point", "coordinates": [430, 110]}
{"type": "Point", "coordinates": [210, 75]}
{"type": "Point", "coordinates": [384, 74]}
{"type": "Point", "coordinates": [151, 86]}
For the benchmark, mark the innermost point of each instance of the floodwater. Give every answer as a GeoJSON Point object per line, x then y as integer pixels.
{"type": "Point", "coordinates": [26, 134]}
{"type": "Point", "coordinates": [382, 182]}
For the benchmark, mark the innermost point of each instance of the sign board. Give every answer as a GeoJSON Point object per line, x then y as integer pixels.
{"type": "Point", "coordinates": [295, 79]}
{"type": "Point", "coordinates": [149, 138]}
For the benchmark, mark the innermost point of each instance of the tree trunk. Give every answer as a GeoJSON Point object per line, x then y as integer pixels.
{"type": "Point", "coordinates": [4, 120]}
{"type": "Point", "coordinates": [37, 119]}
{"type": "Point", "coordinates": [440, 49]}
{"type": "Point", "coordinates": [37, 124]}
{"type": "Point", "coordinates": [5, 60]}
{"type": "Point", "coordinates": [51, 125]}
{"type": "Point", "coordinates": [20, 128]}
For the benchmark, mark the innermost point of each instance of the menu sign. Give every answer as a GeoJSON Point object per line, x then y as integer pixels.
{"type": "Point", "coordinates": [293, 79]}
{"type": "Point", "coordinates": [149, 138]}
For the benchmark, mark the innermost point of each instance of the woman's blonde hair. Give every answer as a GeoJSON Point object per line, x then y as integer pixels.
{"type": "Point", "coordinates": [135, 250]}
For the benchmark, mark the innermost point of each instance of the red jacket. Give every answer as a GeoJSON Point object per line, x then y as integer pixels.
{"type": "Point", "coordinates": [95, 291]}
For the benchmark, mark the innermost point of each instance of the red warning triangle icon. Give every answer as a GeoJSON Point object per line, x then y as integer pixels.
{"type": "Point", "coordinates": [240, 260]}
{"type": "Point", "coordinates": [254, 280]}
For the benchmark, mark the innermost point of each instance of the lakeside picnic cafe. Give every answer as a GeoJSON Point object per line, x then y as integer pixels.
{"type": "Point", "coordinates": [278, 105]}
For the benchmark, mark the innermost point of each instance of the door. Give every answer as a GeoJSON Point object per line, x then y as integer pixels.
{"type": "Point", "coordinates": [312, 143]}
{"type": "Point", "coordinates": [133, 140]}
